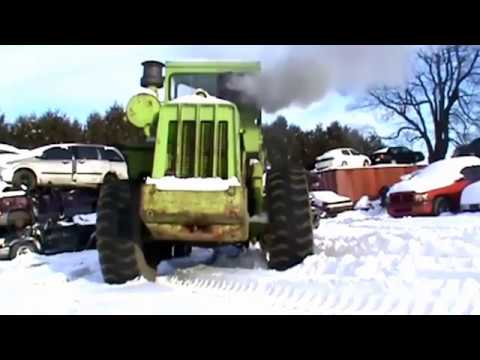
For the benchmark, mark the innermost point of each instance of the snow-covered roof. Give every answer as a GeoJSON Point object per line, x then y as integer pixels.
{"type": "Point", "coordinates": [328, 197]}
{"type": "Point", "coordinates": [381, 151]}
{"type": "Point", "coordinates": [330, 153]}
{"type": "Point", "coordinates": [198, 99]}
{"type": "Point", "coordinates": [171, 183]}
{"type": "Point", "coordinates": [85, 219]}
{"type": "Point", "coordinates": [437, 175]}
{"type": "Point", "coordinates": [10, 148]}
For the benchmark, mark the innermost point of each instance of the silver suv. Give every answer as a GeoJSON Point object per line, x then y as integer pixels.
{"type": "Point", "coordinates": [76, 165]}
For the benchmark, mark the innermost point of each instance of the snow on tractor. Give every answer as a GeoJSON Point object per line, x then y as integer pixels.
{"type": "Point", "coordinates": [203, 184]}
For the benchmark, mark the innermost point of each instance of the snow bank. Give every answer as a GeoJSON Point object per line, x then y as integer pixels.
{"type": "Point", "coordinates": [328, 197]}
{"type": "Point", "coordinates": [381, 151]}
{"type": "Point", "coordinates": [471, 195]}
{"type": "Point", "coordinates": [86, 219]}
{"type": "Point", "coordinates": [363, 264]}
{"type": "Point", "coordinates": [171, 183]}
{"type": "Point", "coordinates": [363, 203]}
{"type": "Point", "coordinates": [437, 175]}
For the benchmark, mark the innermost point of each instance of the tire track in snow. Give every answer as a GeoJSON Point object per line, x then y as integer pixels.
{"type": "Point", "coordinates": [384, 266]}
{"type": "Point", "coordinates": [319, 296]}
{"type": "Point", "coordinates": [282, 294]}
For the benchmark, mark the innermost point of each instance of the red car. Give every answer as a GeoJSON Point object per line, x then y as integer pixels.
{"type": "Point", "coordinates": [433, 190]}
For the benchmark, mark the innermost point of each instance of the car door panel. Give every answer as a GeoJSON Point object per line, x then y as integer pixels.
{"type": "Point", "coordinates": [88, 168]}
{"type": "Point", "coordinates": [55, 166]}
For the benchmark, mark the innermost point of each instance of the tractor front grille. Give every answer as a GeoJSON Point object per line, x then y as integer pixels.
{"type": "Point", "coordinates": [197, 149]}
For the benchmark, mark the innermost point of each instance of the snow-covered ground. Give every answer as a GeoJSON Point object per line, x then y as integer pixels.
{"type": "Point", "coordinates": [365, 263]}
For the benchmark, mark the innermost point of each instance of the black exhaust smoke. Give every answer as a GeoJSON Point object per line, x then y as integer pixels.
{"type": "Point", "coordinates": [308, 73]}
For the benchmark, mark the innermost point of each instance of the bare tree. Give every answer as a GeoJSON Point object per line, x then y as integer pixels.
{"type": "Point", "coordinates": [439, 104]}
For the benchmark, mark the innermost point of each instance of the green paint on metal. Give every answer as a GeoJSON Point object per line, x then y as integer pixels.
{"type": "Point", "coordinates": [182, 141]}
{"type": "Point", "coordinates": [143, 109]}
{"type": "Point", "coordinates": [139, 159]}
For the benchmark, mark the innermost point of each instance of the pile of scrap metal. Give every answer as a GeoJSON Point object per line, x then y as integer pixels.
{"type": "Point", "coordinates": [330, 204]}
{"type": "Point", "coordinates": [46, 221]}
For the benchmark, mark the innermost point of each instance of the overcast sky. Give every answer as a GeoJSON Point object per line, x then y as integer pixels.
{"type": "Point", "coordinates": [81, 79]}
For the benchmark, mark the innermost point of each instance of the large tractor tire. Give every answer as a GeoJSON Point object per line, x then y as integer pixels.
{"type": "Point", "coordinates": [119, 234]}
{"type": "Point", "coordinates": [289, 238]}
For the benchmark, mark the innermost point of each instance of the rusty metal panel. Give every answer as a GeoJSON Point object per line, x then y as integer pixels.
{"type": "Point", "coordinates": [358, 182]}
{"type": "Point", "coordinates": [199, 216]}
{"type": "Point", "coordinates": [209, 234]}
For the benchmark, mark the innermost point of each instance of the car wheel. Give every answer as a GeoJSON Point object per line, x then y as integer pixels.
{"type": "Point", "coordinates": [22, 249]}
{"type": "Point", "coordinates": [24, 177]}
{"type": "Point", "coordinates": [366, 163]}
{"type": "Point", "coordinates": [109, 178]}
{"type": "Point", "coordinates": [441, 205]}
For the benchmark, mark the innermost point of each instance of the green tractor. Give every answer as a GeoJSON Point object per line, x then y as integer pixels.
{"type": "Point", "coordinates": [205, 181]}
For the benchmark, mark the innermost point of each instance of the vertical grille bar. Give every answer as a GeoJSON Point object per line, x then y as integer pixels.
{"type": "Point", "coordinates": [223, 149]}
{"type": "Point", "coordinates": [215, 142]}
{"type": "Point", "coordinates": [172, 148]}
{"type": "Point", "coordinates": [188, 149]}
{"type": "Point", "coordinates": [178, 165]}
{"type": "Point", "coordinates": [198, 148]}
{"type": "Point", "coordinates": [206, 148]}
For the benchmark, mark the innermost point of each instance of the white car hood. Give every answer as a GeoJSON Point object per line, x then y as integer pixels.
{"type": "Point", "coordinates": [440, 174]}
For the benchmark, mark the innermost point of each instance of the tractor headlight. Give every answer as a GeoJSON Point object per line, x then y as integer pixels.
{"type": "Point", "coordinates": [421, 198]}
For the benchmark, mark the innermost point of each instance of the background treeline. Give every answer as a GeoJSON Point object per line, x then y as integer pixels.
{"type": "Point", "coordinates": [110, 128]}
{"type": "Point", "coordinates": [55, 127]}
{"type": "Point", "coordinates": [307, 145]}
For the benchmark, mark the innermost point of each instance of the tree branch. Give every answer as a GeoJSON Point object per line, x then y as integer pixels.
{"type": "Point", "coordinates": [399, 131]}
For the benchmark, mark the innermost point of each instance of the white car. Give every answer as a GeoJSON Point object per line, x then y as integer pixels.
{"type": "Point", "coordinates": [341, 158]}
{"type": "Point", "coordinates": [470, 199]}
{"type": "Point", "coordinates": [76, 165]}
{"type": "Point", "coordinates": [9, 153]}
